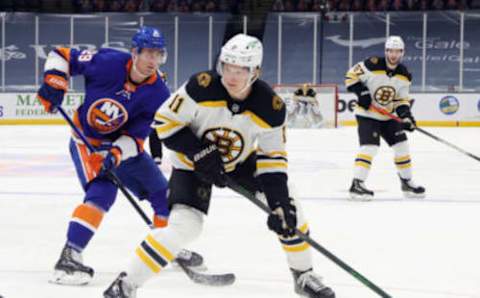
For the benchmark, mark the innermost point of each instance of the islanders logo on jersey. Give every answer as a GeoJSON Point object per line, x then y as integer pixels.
{"type": "Point", "coordinates": [106, 115]}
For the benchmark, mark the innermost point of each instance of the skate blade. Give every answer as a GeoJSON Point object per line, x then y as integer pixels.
{"type": "Point", "coordinates": [75, 279]}
{"type": "Point", "coordinates": [412, 195]}
{"type": "Point", "coordinates": [360, 198]}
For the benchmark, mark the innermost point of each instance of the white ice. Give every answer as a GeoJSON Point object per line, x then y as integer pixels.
{"type": "Point", "coordinates": [410, 248]}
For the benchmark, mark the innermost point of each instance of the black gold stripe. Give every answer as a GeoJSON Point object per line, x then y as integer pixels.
{"type": "Point", "coordinates": [153, 254]}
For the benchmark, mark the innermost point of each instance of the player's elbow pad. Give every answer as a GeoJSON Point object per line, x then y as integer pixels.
{"type": "Point", "coordinates": [357, 88]}
{"type": "Point", "coordinates": [403, 111]}
{"type": "Point", "coordinates": [184, 141]}
{"type": "Point", "coordinates": [274, 185]}
{"type": "Point", "coordinates": [56, 62]}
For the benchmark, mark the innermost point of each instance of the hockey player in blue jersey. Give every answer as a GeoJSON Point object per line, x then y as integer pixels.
{"type": "Point", "coordinates": [122, 93]}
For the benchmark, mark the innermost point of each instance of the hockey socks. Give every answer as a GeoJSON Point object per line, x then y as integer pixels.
{"type": "Point", "coordinates": [85, 221]}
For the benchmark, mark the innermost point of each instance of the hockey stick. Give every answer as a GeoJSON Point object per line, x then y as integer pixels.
{"type": "Point", "coordinates": [195, 276]}
{"type": "Point", "coordinates": [251, 197]}
{"type": "Point", "coordinates": [421, 130]}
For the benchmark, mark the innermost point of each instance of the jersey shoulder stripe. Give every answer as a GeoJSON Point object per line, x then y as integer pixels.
{"type": "Point", "coordinates": [206, 87]}
{"type": "Point", "coordinates": [378, 65]}
{"type": "Point", "coordinates": [266, 104]}
{"type": "Point", "coordinates": [375, 64]}
{"type": "Point", "coordinates": [402, 72]}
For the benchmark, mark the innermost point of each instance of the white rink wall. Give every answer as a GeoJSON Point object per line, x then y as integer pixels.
{"type": "Point", "coordinates": [430, 109]}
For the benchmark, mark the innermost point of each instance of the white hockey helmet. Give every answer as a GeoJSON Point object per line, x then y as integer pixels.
{"type": "Point", "coordinates": [242, 50]}
{"type": "Point", "coordinates": [394, 42]}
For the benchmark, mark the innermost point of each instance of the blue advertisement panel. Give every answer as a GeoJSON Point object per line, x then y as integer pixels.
{"type": "Point", "coordinates": [88, 34]}
{"type": "Point", "coordinates": [20, 59]}
{"type": "Point", "coordinates": [443, 51]}
{"type": "Point", "coordinates": [23, 57]}
{"type": "Point", "coordinates": [471, 58]}
{"type": "Point", "coordinates": [193, 42]}
{"type": "Point", "coordinates": [369, 34]}
{"type": "Point", "coordinates": [270, 48]}
{"type": "Point", "coordinates": [335, 47]}
{"type": "Point", "coordinates": [410, 27]}
{"type": "Point", "coordinates": [297, 48]}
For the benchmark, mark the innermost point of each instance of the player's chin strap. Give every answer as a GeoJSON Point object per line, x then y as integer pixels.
{"type": "Point", "coordinates": [419, 129]}
{"type": "Point", "coordinates": [252, 198]}
{"type": "Point", "coordinates": [197, 277]}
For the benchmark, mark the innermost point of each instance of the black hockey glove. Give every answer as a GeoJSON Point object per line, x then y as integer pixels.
{"type": "Point", "coordinates": [364, 99]}
{"type": "Point", "coordinates": [283, 218]}
{"type": "Point", "coordinates": [208, 165]}
{"type": "Point", "coordinates": [363, 95]}
{"type": "Point", "coordinates": [408, 122]}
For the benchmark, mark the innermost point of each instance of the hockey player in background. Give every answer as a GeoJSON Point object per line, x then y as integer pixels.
{"type": "Point", "coordinates": [122, 93]}
{"type": "Point", "coordinates": [224, 122]}
{"type": "Point", "coordinates": [383, 83]}
{"type": "Point", "coordinates": [305, 110]}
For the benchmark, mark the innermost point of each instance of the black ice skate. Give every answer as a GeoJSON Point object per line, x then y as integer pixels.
{"type": "Point", "coordinates": [308, 284]}
{"type": "Point", "coordinates": [69, 269]}
{"type": "Point", "coordinates": [358, 191]}
{"type": "Point", "coordinates": [189, 258]}
{"type": "Point", "coordinates": [120, 288]}
{"type": "Point", "coordinates": [411, 190]}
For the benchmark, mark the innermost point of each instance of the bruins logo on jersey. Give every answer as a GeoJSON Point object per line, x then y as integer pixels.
{"type": "Point", "coordinates": [230, 143]}
{"type": "Point", "coordinates": [204, 79]}
{"type": "Point", "coordinates": [384, 95]}
{"type": "Point", "coordinates": [277, 103]}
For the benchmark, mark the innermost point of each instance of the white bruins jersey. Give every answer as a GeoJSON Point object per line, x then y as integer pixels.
{"type": "Point", "coordinates": [238, 128]}
{"type": "Point", "coordinates": [388, 88]}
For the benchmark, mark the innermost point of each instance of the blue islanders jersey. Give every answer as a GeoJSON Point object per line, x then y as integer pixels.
{"type": "Point", "coordinates": [113, 105]}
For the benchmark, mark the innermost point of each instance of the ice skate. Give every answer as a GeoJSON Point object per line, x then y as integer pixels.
{"type": "Point", "coordinates": [121, 288]}
{"type": "Point", "coordinates": [359, 192]}
{"type": "Point", "coordinates": [69, 269]}
{"type": "Point", "coordinates": [308, 284]}
{"type": "Point", "coordinates": [411, 190]}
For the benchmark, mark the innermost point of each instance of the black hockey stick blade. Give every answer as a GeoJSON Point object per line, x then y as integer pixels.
{"type": "Point", "coordinates": [216, 280]}
{"type": "Point", "coordinates": [232, 184]}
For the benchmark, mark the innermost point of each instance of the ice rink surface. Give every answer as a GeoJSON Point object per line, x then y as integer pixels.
{"type": "Point", "coordinates": [411, 248]}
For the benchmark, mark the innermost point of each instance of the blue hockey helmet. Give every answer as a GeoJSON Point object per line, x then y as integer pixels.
{"type": "Point", "coordinates": [150, 38]}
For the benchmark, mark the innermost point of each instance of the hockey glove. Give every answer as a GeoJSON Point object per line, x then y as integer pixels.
{"type": "Point", "coordinates": [408, 122]}
{"type": "Point", "coordinates": [208, 165]}
{"type": "Point", "coordinates": [101, 164]}
{"type": "Point", "coordinates": [52, 90]}
{"type": "Point", "coordinates": [283, 218]}
{"type": "Point", "coordinates": [364, 99]}
{"type": "Point", "coordinates": [112, 160]}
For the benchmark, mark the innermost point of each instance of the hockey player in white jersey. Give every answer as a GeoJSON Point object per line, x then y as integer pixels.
{"type": "Point", "coordinates": [220, 123]}
{"type": "Point", "coordinates": [303, 109]}
{"type": "Point", "coordinates": [383, 83]}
